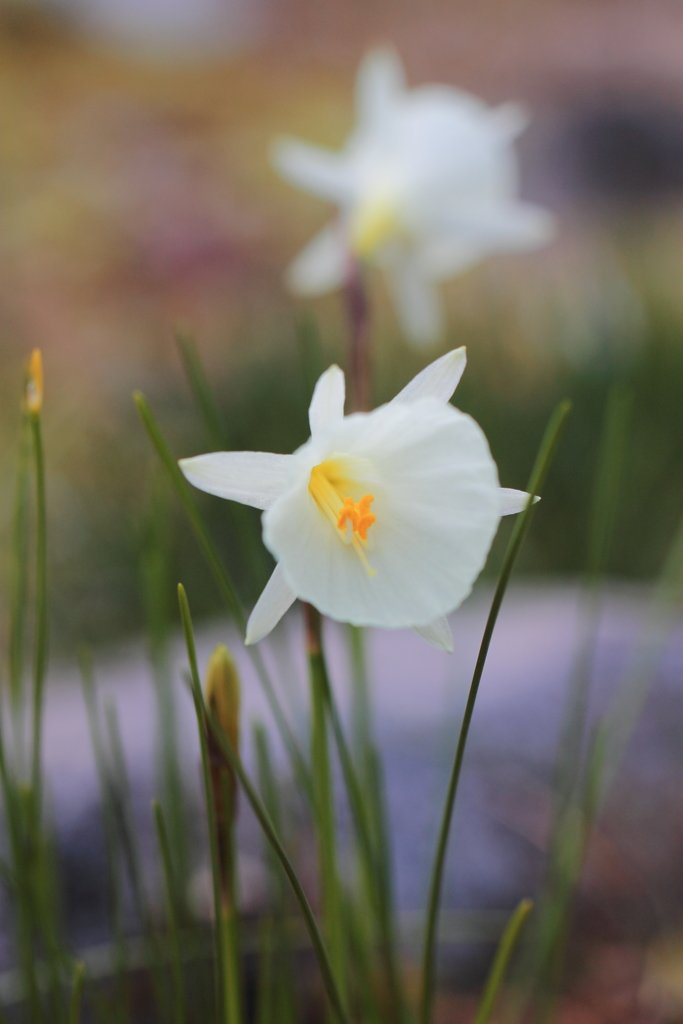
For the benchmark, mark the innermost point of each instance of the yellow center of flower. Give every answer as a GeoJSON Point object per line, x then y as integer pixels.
{"type": "Point", "coordinates": [330, 485]}
{"type": "Point", "coordinates": [374, 222]}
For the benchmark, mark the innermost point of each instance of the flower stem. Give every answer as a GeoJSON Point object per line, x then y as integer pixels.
{"type": "Point", "coordinates": [358, 309]}
{"type": "Point", "coordinates": [40, 638]}
{"type": "Point", "coordinates": [538, 475]}
{"type": "Point", "coordinates": [323, 802]}
{"type": "Point", "coordinates": [373, 853]}
{"type": "Point", "coordinates": [261, 814]}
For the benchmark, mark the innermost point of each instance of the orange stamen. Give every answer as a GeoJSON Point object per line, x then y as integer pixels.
{"type": "Point", "coordinates": [358, 515]}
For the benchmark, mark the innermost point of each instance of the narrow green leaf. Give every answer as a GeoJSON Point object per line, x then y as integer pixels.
{"type": "Point", "coordinates": [178, 1000]}
{"type": "Point", "coordinates": [501, 961]}
{"type": "Point", "coordinates": [76, 994]}
{"type": "Point", "coordinates": [544, 460]}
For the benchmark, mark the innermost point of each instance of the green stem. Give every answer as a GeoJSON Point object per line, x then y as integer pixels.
{"type": "Point", "coordinates": [261, 814]}
{"type": "Point", "coordinates": [40, 640]}
{"type": "Point", "coordinates": [76, 993]}
{"type": "Point", "coordinates": [19, 588]}
{"type": "Point", "coordinates": [218, 933]}
{"type": "Point", "coordinates": [501, 961]}
{"type": "Point", "coordinates": [323, 804]}
{"type": "Point", "coordinates": [538, 475]}
{"type": "Point", "coordinates": [375, 865]}
{"type": "Point", "coordinates": [174, 941]}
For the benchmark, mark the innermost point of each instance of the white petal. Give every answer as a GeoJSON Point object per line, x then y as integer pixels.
{"type": "Point", "coordinates": [379, 84]}
{"type": "Point", "coordinates": [511, 119]}
{"type": "Point", "coordinates": [276, 598]}
{"type": "Point", "coordinates": [417, 302]}
{"type": "Point", "coordinates": [437, 507]}
{"type": "Point", "coordinates": [252, 478]}
{"type": "Point", "coordinates": [512, 501]}
{"type": "Point", "coordinates": [437, 633]}
{"type": "Point", "coordinates": [313, 168]}
{"type": "Point", "coordinates": [323, 265]}
{"type": "Point", "coordinates": [447, 254]}
{"type": "Point", "coordinates": [439, 379]}
{"type": "Point", "coordinates": [500, 227]}
{"type": "Point", "coordinates": [327, 405]}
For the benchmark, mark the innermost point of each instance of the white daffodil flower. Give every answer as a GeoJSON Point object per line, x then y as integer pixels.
{"type": "Point", "coordinates": [426, 186]}
{"type": "Point", "coordinates": [380, 519]}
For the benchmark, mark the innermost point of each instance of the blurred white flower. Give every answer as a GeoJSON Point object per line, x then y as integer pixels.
{"type": "Point", "coordinates": [426, 186]}
{"type": "Point", "coordinates": [380, 519]}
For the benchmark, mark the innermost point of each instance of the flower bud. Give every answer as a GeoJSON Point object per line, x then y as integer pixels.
{"type": "Point", "coordinates": [34, 384]}
{"type": "Point", "coordinates": [223, 699]}
{"type": "Point", "coordinates": [223, 693]}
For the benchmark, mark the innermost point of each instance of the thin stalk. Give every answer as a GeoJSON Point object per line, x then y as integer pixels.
{"type": "Point", "coordinates": [76, 993]}
{"type": "Point", "coordinates": [375, 868]}
{"type": "Point", "coordinates": [178, 1001]}
{"type": "Point", "coordinates": [157, 593]}
{"type": "Point", "coordinates": [121, 795]}
{"type": "Point", "coordinates": [40, 637]}
{"type": "Point", "coordinates": [19, 588]}
{"type": "Point", "coordinates": [218, 932]}
{"type": "Point", "coordinates": [278, 999]}
{"type": "Point", "coordinates": [323, 804]}
{"type": "Point", "coordinates": [225, 585]}
{"type": "Point", "coordinates": [359, 326]}
{"type": "Point", "coordinates": [506, 948]}
{"type": "Point", "coordinates": [538, 476]}
{"type": "Point", "coordinates": [262, 816]}
{"type": "Point", "coordinates": [229, 889]}
{"type": "Point", "coordinates": [111, 845]}
{"type": "Point", "coordinates": [24, 902]}
{"type": "Point", "coordinates": [569, 831]}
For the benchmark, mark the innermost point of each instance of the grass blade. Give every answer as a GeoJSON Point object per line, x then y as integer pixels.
{"type": "Point", "coordinates": [178, 1000]}
{"type": "Point", "coordinates": [76, 994]}
{"type": "Point", "coordinates": [543, 462]}
{"type": "Point", "coordinates": [506, 948]}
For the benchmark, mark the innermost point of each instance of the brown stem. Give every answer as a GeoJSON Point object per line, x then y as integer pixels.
{"type": "Point", "coordinates": [359, 323]}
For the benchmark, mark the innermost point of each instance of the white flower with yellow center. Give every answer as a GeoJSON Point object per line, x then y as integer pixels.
{"type": "Point", "coordinates": [380, 519]}
{"type": "Point", "coordinates": [426, 186]}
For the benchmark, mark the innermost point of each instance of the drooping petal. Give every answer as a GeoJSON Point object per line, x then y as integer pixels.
{"type": "Point", "coordinates": [510, 119]}
{"type": "Point", "coordinates": [437, 633]}
{"type": "Point", "coordinates": [277, 597]}
{"type": "Point", "coordinates": [379, 85]}
{"type": "Point", "coordinates": [323, 265]}
{"type": "Point", "coordinates": [436, 502]}
{"type": "Point", "coordinates": [252, 478]}
{"type": "Point", "coordinates": [439, 379]}
{"type": "Point", "coordinates": [417, 302]}
{"type": "Point", "coordinates": [501, 226]}
{"type": "Point", "coordinates": [327, 405]}
{"type": "Point", "coordinates": [313, 168]}
{"type": "Point", "coordinates": [512, 501]}
{"type": "Point", "coordinates": [445, 254]}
